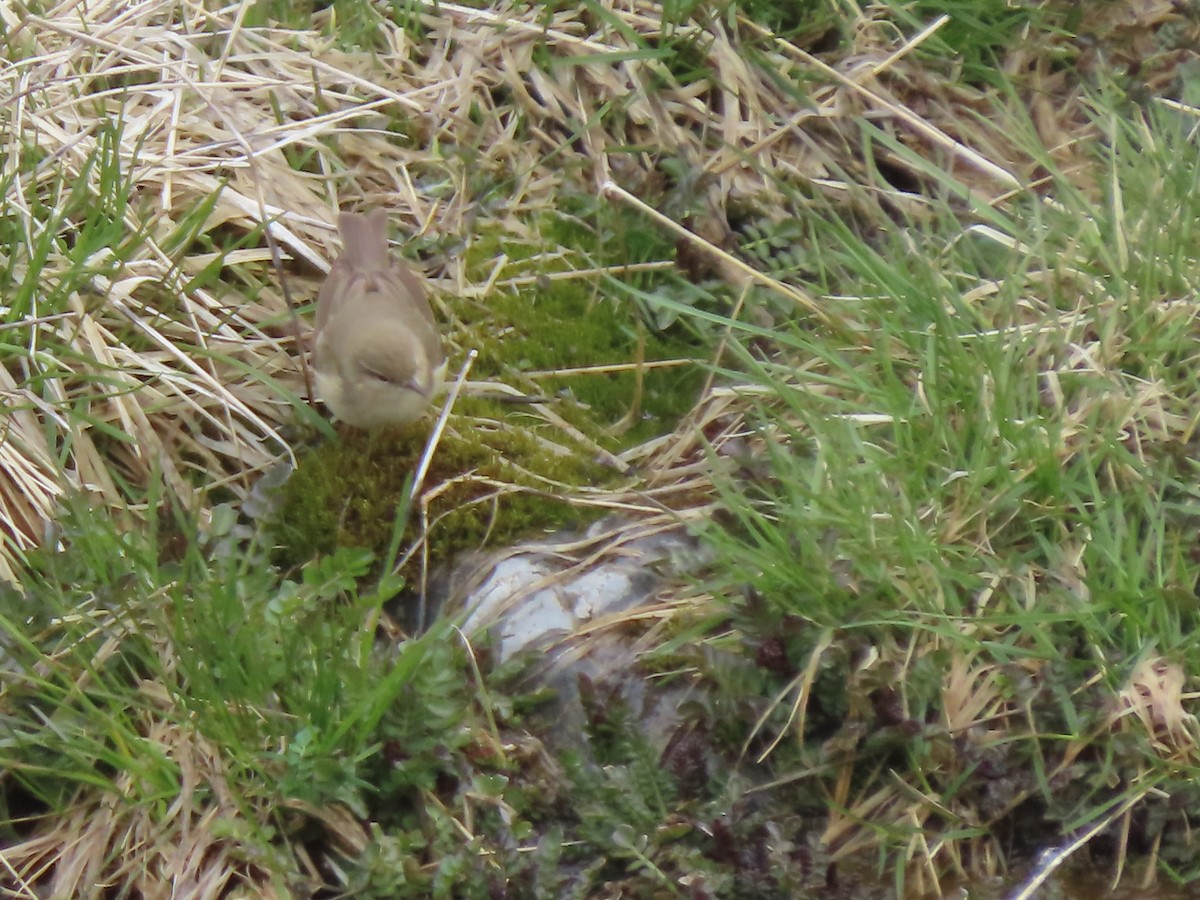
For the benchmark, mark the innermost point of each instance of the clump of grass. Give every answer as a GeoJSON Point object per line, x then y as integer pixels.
{"type": "Point", "coordinates": [231, 728]}
{"type": "Point", "coordinates": [232, 711]}
{"type": "Point", "coordinates": [963, 547]}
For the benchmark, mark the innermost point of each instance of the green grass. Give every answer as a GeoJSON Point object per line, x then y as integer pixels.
{"type": "Point", "coordinates": [175, 672]}
{"type": "Point", "coordinates": [1006, 481]}
{"type": "Point", "coordinates": [179, 667]}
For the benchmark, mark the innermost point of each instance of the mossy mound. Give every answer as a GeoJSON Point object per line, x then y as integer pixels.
{"type": "Point", "coordinates": [588, 341]}
{"type": "Point", "coordinates": [486, 479]}
{"type": "Point", "coordinates": [586, 345]}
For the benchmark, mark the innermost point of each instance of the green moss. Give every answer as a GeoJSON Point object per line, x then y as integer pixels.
{"type": "Point", "coordinates": [345, 492]}
{"type": "Point", "coordinates": [571, 323]}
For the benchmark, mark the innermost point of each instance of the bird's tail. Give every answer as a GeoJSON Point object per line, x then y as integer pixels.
{"type": "Point", "coordinates": [364, 240]}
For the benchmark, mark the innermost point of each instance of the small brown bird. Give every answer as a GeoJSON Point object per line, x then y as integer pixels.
{"type": "Point", "coordinates": [378, 355]}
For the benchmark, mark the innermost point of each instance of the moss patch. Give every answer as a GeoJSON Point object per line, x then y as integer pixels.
{"type": "Point", "coordinates": [550, 323]}
{"type": "Point", "coordinates": [345, 492]}
{"type": "Point", "coordinates": [497, 472]}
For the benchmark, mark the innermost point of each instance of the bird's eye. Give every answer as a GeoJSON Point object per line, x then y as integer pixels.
{"type": "Point", "coordinates": [376, 376]}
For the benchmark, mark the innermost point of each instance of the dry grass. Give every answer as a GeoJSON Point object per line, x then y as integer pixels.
{"type": "Point", "coordinates": [277, 128]}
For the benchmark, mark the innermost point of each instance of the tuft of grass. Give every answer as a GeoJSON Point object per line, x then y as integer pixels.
{"type": "Point", "coordinates": [967, 546]}
{"type": "Point", "coordinates": [230, 710]}
{"type": "Point", "coordinates": [232, 728]}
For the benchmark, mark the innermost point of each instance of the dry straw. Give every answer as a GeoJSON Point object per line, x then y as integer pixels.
{"type": "Point", "coordinates": [127, 373]}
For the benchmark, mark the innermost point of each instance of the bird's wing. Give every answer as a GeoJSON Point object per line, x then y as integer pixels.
{"type": "Point", "coordinates": [364, 250]}
{"type": "Point", "coordinates": [410, 292]}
